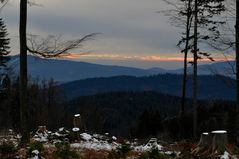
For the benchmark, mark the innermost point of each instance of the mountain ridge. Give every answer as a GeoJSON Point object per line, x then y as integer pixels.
{"type": "Point", "coordinates": [209, 87]}
{"type": "Point", "coordinates": [62, 70]}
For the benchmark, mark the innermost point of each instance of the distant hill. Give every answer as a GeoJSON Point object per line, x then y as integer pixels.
{"type": "Point", "coordinates": [67, 70]}
{"type": "Point", "coordinates": [218, 68]}
{"type": "Point", "coordinates": [210, 87]}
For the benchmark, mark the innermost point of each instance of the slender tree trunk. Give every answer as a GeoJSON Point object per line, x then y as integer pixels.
{"type": "Point", "coordinates": [184, 82]}
{"type": "Point", "coordinates": [237, 54]}
{"type": "Point", "coordinates": [23, 74]}
{"type": "Point", "coordinates": [182, 111]}
{"type": "Point", "coordinates": [195, 58]}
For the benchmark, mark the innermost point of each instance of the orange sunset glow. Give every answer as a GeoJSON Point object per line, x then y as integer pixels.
{"type": "Point", "coordinates": [108, 56]}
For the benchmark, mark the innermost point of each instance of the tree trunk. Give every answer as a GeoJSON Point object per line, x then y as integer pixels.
{"type": "Point", "coordinates": [23, 74]}
{"type": "Point", "coordinates": [195, 58]}
{"type": "Point", "coordinates": [182, 111]}
{"type": "Point", "coordinates": [237, 54]}
{"type": "Point", "coordinates": [184, 82]}
{"type": "Point", "coordinates": [237, 66]}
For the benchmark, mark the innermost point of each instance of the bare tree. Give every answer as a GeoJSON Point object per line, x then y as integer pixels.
{"type": "Point", "coordinates": [41, 50]}
{"type": "Point", "coordinates": [199, 17]}
{"type": "Point", "coordinates": [229, 40]}
{"type": "Point", "coordinates": [186, 49]}
{"type": "Point", "coordinates": [184, 9]}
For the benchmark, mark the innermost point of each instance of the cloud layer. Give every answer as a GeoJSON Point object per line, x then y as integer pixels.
{"type": "Point", "coordinates": [130, 29]}
{"type": "Point", "coordinates": [127, 26]}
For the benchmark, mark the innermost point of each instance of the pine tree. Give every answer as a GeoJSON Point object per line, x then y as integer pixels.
{"type": "Point", "coordinates": [4, 45]}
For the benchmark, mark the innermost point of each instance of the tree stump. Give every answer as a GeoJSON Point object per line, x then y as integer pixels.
{"type": "Point", "coordinates": [211, 144]}
{"type": "Point", "coordinates": [219, 141]}
{"type": "Point", "coordinates": [42, 129]}
{"type": "Point", "coordinates": [77, 123]}
{"type": "Point", "coordinates": [205, 140]}
{"type": "Point", "coordinates": [75, 136]}
{"type": "Point", "coordinates": [203, 147]}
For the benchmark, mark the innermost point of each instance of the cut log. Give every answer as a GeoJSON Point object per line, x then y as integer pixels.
{"type": "Point", "coordinates": [219, 141]}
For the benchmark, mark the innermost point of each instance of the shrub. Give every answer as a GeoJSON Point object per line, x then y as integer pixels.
{"type": "Point", "coordinates": [113, 155]}
{"type": "Point", "coordinates": [95, 154]}
{"type": "Point", "coordinates": [154, 153]}
{"type": "Point", "coordinates": [7, 148]}
{"type": "Point", "coordinates": [36, 146]}
{"type": "Point", "coordinates": [63, 151]}
{"type": "Point", "coordinates": [123, 149]}
{"type": "Point", "coordinates": [120, 152]}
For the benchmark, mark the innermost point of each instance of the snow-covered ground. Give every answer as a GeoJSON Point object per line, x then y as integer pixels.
{"type": "Point", "coordinates": [96, 142]}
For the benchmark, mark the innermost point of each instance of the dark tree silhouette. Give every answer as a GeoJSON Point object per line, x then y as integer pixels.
{"type": "Point", "coordinates": [47, 52]}
{"type": "Point", "coordinates": [237, 52]}
{"type": "Point", "coordinates": [4, 58]}
{"type": "Point", "coordinates": [24, 116]}
{"type": "Point", "coordinates": [195, 58]}
{"type": "Point", "coordinates": [197, 15]}
{"type": "Point", "coordinates": [230, 41]}
{"type": "Point", "coordinates": [184, 10]}
{"type": "Point", "coordinates": [4, 45]}
{"type": "Point", "coordinates": [204, 12]}
{"type": "Point", "coordinates": [187, 38]}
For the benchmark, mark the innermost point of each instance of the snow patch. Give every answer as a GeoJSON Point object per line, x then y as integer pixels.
{"type": "Point", "coordinates": [114, 138]}
{"type": "Point", "coordinates": [77, 115]}
{"type": "Point", "coordinates": [95, 144]}
{"type": "Point", "coordinates": [225, 155]}
{"type": "Point", "coordinates": [86, 136]}
{"type": "Point", "coordinates": [36, 152]}
{"type": "Point", "coordinates": [61, 129]}
{"type": "Point", "coordinates": [148, 147]}
{"type": "Point", "coordinates": [219, 132]}
{"type": "Point", "coordinates": [75, 129]}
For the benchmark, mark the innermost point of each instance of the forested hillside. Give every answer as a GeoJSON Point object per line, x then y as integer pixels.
{"type": "Point", "coordinates": [134, 114]}
{"type": "Point", "coordinates": [210, 87]}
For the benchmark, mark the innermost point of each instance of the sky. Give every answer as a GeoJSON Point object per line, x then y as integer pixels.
{"type": "Point", "coordinates": [132, 33]}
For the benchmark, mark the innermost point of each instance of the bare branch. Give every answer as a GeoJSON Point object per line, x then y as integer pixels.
{"type": "Point", "coordinates": [3, 4]}
{"type": "Point", "coordinates": [51, 46]}
{"type": "Point", "coordinates": [33, 3]}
